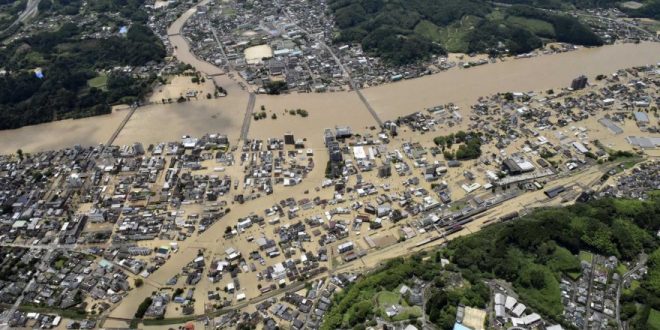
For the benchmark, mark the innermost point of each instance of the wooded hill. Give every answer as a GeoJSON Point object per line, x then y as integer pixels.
{"type": "Point", "coordinates": [403, 32]}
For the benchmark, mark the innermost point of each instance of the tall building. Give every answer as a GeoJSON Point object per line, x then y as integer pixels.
{"type": "Point", "coordinates": [579, 82]}
{"type": "Point", "coordinates": [385, 171]}
{"type": "Point", "coordinates": [289, 138]}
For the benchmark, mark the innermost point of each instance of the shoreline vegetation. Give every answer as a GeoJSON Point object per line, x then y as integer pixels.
{"type": "Point", "coordinates": [404, 32]}
{"type": "Point", "coordinates": [532, 253]}
{"type": "Point", "coordinates": [61, 74]}
{"type": "Point", "coordinates": [79, 80]}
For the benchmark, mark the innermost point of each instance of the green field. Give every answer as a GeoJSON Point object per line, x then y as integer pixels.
{"type": "Point", "coordinates": [654, 320]}
{"type": "Point", "coordinates": [633, 286]}
{"type": "Point", "coordinates": [536, 26]}
{"type": "Point", "coordinates": [574, 275]}
{"type": "Point", "coordinates": [408, 313]}
{"type": "Point", "coordinates": [229, 11]}
{"type": "Point", "coordinates": [100, 82]}
{"type": "Point", "coordinates": [386, 299]}
{"type": "Point", "coordinates": [453, 37]}
{"type": "Point", "coordinates": [621, 269]}
{"type": "Point", "coordinates": [548, 298]}
{"type": "Point", "coordinates": [428, 30]}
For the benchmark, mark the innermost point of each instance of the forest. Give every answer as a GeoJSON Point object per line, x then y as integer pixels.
{"type": "Point", "coordinates": [129, 10]}
{"type": "Point", "coordinates": [403, 32]}
{"type": "Point", "coordinates": [9, 11]}
{"type": "Point", "coordinates": [68, 64]}
{"type": "Point", "coordinates": [650, 9]}
{"type": "Point", "coordinates": [60, 74]}
{"type": "Point", "coordinates": [532, 253]}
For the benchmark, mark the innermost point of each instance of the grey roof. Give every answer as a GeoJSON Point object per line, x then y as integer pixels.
{"type": "Point", "coordinates": [641, 117]}
{"type": "Point", "coordinates": [644, 142]}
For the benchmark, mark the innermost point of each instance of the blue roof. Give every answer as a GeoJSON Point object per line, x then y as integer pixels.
{"type": "Point", "coordinates": [123, 30]}
{"type": "Point", "coordinates": [105, 263]}
{"type": "Point", "coordinates": [458, 326]}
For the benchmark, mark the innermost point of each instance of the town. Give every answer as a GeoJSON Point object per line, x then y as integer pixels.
{"type": "Point", "coordinates": [202, 198]}
{"type": "Point", "coordinates": [270, 229]}
{"type": "Point", "coordinates": [288, 46]}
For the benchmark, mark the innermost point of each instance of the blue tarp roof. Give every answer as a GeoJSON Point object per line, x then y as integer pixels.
{"type": "Point", "coordinates": [458, 326]}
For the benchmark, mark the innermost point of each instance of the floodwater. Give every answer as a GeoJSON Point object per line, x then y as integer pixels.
{"type": "Point", "coordinates": [464, 86]}
{"type": "Point", "coordinates": [225, 115]}
{"type": "Point", "coordinates": [326, 110]}
{"type": "Point", "coordinates": [159, 122]}
{"type": "Point", "coordinates": [64, 133]}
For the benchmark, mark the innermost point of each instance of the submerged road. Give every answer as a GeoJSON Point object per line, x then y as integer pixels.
{"type": "Point", "coordinates": [245, 128]}
{"type": "Point", "coordinates": [344, 70]}
{"type": "Point", "coordinates": [235, 86]}
{"type": "Point", "coordinates": [114, 135]}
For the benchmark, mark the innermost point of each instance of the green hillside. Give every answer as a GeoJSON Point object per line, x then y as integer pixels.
{"type": "Point", "coordinates": [531, 253]}
{"type": "Point", "coordinates": [403, 32]}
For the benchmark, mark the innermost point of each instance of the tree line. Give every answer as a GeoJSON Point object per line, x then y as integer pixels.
{"type": "Point", "coordinates": [532, 253]}
{"type": "Point", "coordinates": [388, 29]}
{"type": "Point", "coordinates": [68, 62]}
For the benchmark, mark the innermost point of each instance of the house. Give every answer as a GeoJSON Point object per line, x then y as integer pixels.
{"type": "Point", "coordinates": [517, 166]}
{"type": "Point", "coordinates": [393, 310]}
{"type": "Point", "coordinates": [343, 132]}
{"type": "Point", "coordinates": [580, 147]}
{"type": "Point", "coordinates": [642, 119]}
{"type": "Point", "coordinates": [554, 192]}
{"type": "Point", "coordinates": [527, 320]}
{"type": "Point", "coordinates": [519, 309]}
{"type": "Point", "coordinates": [345, 247]}
{"type": "Point", "coordinates": [510, 302]}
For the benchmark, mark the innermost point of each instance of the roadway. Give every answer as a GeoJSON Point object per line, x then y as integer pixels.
{"type": "Point", "coordinates": [114, 135]}
{"type": "Point", "coordinates": [184, 54]}
{"type": "Point", "coordinates": [245, 127]}
{"type": "Point", "coordinates": [31, 10]}
{"type": "Point", "coordinates": [344, 70]}
{"type": "Point", "coordinates": [641, 263]}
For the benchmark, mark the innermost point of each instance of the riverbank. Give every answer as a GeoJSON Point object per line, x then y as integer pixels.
{"type": "Point", "coordinates": [463, 87]}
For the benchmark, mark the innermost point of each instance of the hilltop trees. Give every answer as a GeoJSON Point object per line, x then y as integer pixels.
{"type": "Point", "coordinates": [403, 32]}
{"type": "Point", "coordinates": [68, 63]}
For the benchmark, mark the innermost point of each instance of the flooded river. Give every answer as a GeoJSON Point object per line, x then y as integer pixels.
{"type": "Point", "coordinates": [462, 86]}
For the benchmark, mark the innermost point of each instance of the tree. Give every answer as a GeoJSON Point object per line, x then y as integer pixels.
{"type": "Point", "coordinates": [537, 278]}
{"type": "Point", "coordinates": [138, 282]}
{"type": "Point", "coordinates": [142, 309]}
{"type": "Point", "coordinates": [19, 152]}
{"type": "Point", "coordinates": [275, 87]}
